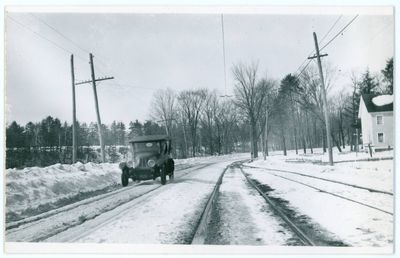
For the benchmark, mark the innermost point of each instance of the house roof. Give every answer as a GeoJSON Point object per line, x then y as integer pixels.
{"type": "Point", "coordinates": [371, 107]}
{"type": "Point", "coordinates": [149, 138]}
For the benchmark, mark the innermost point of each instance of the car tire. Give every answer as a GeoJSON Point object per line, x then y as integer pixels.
{"type": "Point", "coordinates": [163, 175]}
{"type": "Point", "coordinates": [125, 177]}
{"type": "Point", "coordinates": [170, 166]}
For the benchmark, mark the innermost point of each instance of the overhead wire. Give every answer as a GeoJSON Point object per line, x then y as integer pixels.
{"type": "Point", "coordinates": [59, 33]}
{"type": "Point", "coordinates": [340, 32]}
{"type": "Point", "coordinates": [330, 41]}
{"type": "Point", "coordinates": [322, 39]}
{"type": "Point", "coordinates": [42, 37]}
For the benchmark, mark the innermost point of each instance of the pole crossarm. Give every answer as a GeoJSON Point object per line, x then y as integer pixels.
{"type": "Point", "coordinates": [312, 57]}
{"type": "Point", "coordinates": [97, 80]}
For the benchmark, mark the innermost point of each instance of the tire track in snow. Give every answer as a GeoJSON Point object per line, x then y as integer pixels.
{"type": "Point", "coordinates": [39, 227]}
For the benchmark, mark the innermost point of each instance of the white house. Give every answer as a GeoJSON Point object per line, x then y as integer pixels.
{"type": "Point", "coordinates": [376, 114]}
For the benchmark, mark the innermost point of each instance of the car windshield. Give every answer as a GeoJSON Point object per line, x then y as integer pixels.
{"type": "Point", "coordinates": [146, 146]}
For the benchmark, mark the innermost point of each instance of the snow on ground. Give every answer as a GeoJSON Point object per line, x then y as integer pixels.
{"type": "Point", "coordinates": [168, 215]}
{"type": "Point", "coordinates": [356, 224]}
{"type": "Point", "coordinates": [372, 174]}
{"type": "Point", "coordinates": [32, 190]}
{"type": "Point", "coordinates": [244, 217]}
{"type": "Point", "coordinates": [29, 188]}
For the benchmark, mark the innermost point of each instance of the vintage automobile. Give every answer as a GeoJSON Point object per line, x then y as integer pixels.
{"type": "Point", "coordinates": [150, 159]}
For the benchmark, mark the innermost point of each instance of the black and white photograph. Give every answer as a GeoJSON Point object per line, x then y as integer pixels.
{"type": "Point", "coordinates": [215, 129]}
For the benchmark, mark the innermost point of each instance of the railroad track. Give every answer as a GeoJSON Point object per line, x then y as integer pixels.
{"type": "Point", "coordinates": [39, 221]}
{"type": "Point", "coordinates": [302, 236]}
{"type": "Point", "coordinates": [375, 191]}
{"type": "Point", "coordinates": [202, 227]}
{"type": "Point", "coordinates": [76, 234]}
{"type": "Point", "coordinates": [200, 232]}
{"type": "Point", "coordinates": [324, 179]}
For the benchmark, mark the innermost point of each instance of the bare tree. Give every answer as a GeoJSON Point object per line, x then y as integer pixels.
{"type": "Point", "coordinates": [209, 114]}
{"type": "Point", "coordinates": [226, 124]}
{"type": "Point", "coordinates": [265, 123]}
{"type": "Point", "coordinates": [163, 108]}
{"type": "Point", "coordinates": [191, 103]}
{"type": "Point", "coordinates": [249, 97]}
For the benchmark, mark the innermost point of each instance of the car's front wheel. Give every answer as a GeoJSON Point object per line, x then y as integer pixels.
{"type": "Point", "coordinates": [163, 175]}
{"type": "Point", "coordinates": [125, 177]}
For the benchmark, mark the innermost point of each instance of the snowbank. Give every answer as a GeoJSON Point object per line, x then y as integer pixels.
{"type": "Point", "coordinates": [382, 100]}
{"type": "Point", "coordinates": [34, 190]}
{"type": "Point", "coordinates": [32, 187]}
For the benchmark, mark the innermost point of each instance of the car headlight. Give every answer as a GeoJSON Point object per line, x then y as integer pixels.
{"type": "Point", "coordinates": [122, 165]}
{"type": "Point", "coordinates": [151, 163]}
{"type": "Point", "coordinates": [129, 164]}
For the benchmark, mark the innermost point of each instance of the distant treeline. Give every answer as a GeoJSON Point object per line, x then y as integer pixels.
{"type": "Point", "coordinates": [262, 114]}
{"type": "Point", "coordinates": [50, 141]}
{"type": "Point", "coordinates": [45, 156]}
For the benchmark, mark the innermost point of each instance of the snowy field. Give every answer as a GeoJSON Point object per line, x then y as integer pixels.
{"type": "Point", "coordinates": [34, 190]}
{"type": "Point", "coordinates": [352, 199]}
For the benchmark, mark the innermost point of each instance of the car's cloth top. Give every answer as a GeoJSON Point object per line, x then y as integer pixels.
{"type": "Point", "coordinates": [149, 138]}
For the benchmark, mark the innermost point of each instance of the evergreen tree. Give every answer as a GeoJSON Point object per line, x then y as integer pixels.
{"type": "Point", "coordinates": [135, 129]}
{"type": "Point", "coordinates": [15, 136]}
{"type": "Point", "coordinates": [388, 76]}
{"type": "Point", "coordinates": [368, 84]}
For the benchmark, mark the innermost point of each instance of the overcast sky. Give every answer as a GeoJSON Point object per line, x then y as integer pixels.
{"type": "Point", "coordinates": [146, 52]}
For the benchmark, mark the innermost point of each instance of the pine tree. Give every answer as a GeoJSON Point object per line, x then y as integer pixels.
{"type": "Point", "coordinates": [388, 76]}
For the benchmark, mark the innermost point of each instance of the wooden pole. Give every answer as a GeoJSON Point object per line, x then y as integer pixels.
{"type": "Point", "coordinates": [324, 101]}
{"type": "Point", "coordinates": [103, 157]}
{"type": "Point", "coordinates": [74, 146]}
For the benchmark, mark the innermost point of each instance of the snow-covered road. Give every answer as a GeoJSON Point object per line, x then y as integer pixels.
{"type": "Point", "coordinates": [140, 213]}
{"type": "Point", "coordinates": [168, 215]}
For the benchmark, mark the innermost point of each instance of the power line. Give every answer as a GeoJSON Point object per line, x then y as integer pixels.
{"type": "Point", "coordinates": [312, 51]}
{"type": "Point", "coordinates": [59, 33]}
{"type": "Point", "coordinates": [39, 35]}
{"type": "Point", "coordinates": [223, 49]}
{"type": "Point", "coordinates": [69, 40]}
{"type": "Point", "coordinates": [43, 37]}
{"type": "Point", "coordinates": [331, 40]}
{"type": "Point", "coordinates": [340, 32]}
{"type": "Point", "coordinates": [330, 29]}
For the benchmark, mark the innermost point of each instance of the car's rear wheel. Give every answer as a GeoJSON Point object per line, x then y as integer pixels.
{"type": "Point", "coordinates": [163, 175]}
{"type": "Point", "coordinates": [125, 177]}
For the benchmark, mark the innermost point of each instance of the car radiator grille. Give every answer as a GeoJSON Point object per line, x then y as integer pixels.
{"type": "Point", "coordinates": [143, 162]}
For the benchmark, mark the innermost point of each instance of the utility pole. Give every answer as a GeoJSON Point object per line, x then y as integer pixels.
{"type": "Point", "coordinates": [264, 144]}
{"type": "Point", "coordinates": [324, 101]}
{"type": "Point", "coordinates": [93, 82]}
{"type": "Point", "coordinates": [103, 156]}
{"type": "Point", "coordinates": [74, 147]}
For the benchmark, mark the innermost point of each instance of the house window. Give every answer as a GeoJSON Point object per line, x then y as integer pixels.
{"type": "Point", "coordinates": [379, 120]}
{"type": "Point", "coordinates": [380, 137]}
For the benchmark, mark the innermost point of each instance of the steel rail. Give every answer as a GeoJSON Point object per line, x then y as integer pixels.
{"type": "Point", "coordinates": [16, 224]}
{"type": "Point", "coordinates": [202, 225]}
{"type": "Point", "coordinates": [336, 195]}
{"type": "Point", "coordinates": [324, 179]}
{"type": "Point", "coordinates": [305, 240]}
